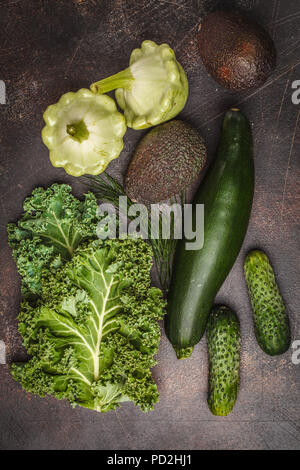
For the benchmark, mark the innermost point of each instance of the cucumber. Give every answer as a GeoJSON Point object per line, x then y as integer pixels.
{"type": "Point", "coordinates": [227, 193]}
{"type": "Point", "coordinates": [271, 322]}
{"type": "Point", "coordinates": [224, 344]}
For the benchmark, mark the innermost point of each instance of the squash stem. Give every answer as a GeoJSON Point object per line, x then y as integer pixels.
{"type": "Point", "coordinates": [78, 131]}
{"type": "Point", "coordinates": [184, 353]}
{"type": "Point", "coordinates": [122, 79]}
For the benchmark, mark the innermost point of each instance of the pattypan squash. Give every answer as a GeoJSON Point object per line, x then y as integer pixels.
{"type": "Point", "coordinates": [83, 132]}
{"type": "Point", "coordinates": [152, 90]}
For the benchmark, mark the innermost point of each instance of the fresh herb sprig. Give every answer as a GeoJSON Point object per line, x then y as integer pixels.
{"type": "Point", "coordinates": [107, 188]}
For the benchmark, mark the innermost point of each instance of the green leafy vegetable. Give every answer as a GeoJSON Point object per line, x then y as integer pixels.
{"type": "Point", "coordinates": [92, 330]}
{"type": "Point", "coordinates": [53, 225]}
{"type": "Point", "coordinates": [152, 90]}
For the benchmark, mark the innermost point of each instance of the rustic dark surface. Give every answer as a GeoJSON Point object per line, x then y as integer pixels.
{"type": "Point", "coordinates": [50, 47]}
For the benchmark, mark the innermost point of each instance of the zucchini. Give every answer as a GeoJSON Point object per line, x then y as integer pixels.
{"type": "Point", "coordinates": [227, 193]}
{"type": "Point", "coordinates": [224, 344]}
{"type": "Point", "coordinates": [271, 323]}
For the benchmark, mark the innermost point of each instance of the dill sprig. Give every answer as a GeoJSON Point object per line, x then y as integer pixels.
{"type": "Point", "coordinates": [106, 188]}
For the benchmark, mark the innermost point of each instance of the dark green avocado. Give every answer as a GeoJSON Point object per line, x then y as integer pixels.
{"type": "Point", "coordinates": [166, 161]}
{"type": "Point", "coordinates": [237, 52]}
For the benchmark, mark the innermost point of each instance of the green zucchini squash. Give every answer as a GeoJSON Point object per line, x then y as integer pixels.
{"type": "Point", "coordinates": [223, 341]}
{"type": "Point", "coordinates": [227, 193]}
{"type": "Point", "coordinates": [271, 322]}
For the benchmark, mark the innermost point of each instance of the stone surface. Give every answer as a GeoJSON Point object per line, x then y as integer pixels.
{"type": "Point", "coordinates": [48, 48]}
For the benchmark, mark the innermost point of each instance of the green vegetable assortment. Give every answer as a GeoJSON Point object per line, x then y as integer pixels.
{"type": "Point", "coordinates": [89, 316]}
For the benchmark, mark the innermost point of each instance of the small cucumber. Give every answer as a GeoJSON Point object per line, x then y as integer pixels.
{"type": "Point", "coordinates": [223, 339]}
{"type": "Point", "coordinates": [271, 323]}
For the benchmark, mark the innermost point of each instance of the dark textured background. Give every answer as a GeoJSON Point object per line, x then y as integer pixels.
{"type": "Point", "coordinates": [50, 47]}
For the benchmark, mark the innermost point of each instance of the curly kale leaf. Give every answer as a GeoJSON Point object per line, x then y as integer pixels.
{"type": "Point", "coordinates": [53, 225]}
{"type": "Point", "coordinates": [93, 332]}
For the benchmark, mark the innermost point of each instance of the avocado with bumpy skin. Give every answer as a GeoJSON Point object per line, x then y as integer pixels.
{"type": "Point", "coordinates": [237, 52]}
{"type": "Point", "coordinates": [271, 322]}
{"type": "Point", "coordinates": [166, 161]}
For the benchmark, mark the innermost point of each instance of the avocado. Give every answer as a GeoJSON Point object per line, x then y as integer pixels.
{"type": "Point", "coordinates": [166, 161]}
{"type": "Point", "coordinates": [237, 52]}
